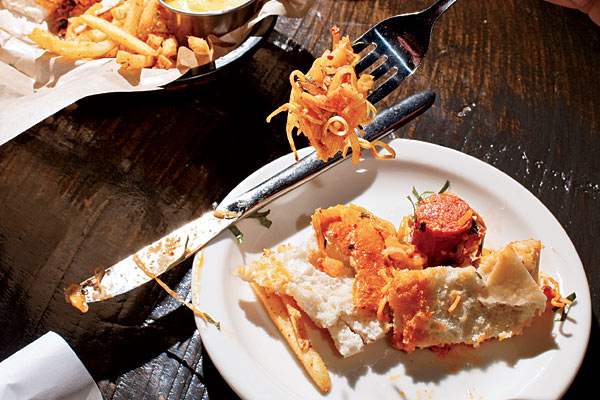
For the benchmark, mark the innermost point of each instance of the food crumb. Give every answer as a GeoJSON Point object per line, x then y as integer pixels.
{"type": "Point", "coordinates": [465, 110]}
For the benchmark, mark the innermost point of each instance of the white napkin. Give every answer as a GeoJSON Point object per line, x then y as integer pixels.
{"type": "Point", "coordinates": [46, 369]}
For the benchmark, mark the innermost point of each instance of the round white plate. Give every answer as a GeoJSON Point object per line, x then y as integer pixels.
{"type": "Point", "coordinates": [253, 358]}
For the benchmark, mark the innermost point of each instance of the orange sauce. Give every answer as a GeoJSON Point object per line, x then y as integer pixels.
{"type": "Point", "coordinates": [354, 233]}
{"type": "Point", "coordinates": [76, 298]}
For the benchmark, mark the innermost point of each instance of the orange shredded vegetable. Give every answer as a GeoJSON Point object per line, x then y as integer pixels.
{"type": "Point", "coordinates": [329, 104]}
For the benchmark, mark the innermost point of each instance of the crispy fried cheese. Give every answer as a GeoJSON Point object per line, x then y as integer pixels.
{"type": "Point", "coordinates": [439, 306]}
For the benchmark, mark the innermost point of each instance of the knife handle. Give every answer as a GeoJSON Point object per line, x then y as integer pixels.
{"type": "Point", "coordinates": [310, 166]}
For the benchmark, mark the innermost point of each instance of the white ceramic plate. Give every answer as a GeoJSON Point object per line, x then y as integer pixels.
{"type": "Point", "coordinates": [254, 359]}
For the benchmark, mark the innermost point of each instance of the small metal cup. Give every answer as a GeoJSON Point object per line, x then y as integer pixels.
{"type": "Point", "coordinates": [201, 24]}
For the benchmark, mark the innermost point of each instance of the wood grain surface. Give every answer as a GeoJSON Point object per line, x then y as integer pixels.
{"type": "Point", "coordinates": [517, 86]}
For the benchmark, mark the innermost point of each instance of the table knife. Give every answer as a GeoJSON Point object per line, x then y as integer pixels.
{"type": "Point", "coordinates": [165, 253]}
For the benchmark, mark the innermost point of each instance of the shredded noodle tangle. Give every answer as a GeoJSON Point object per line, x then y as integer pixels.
{"type": "Point", "coordinates": [329, 104]}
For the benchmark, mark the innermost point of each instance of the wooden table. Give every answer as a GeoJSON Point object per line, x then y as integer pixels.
{"type": "Point", "coordinates": [517, 87]}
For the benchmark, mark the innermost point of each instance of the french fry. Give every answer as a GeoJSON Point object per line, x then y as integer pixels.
{"type": "Point", "coordinates": [92, 35]}
{"type": "Point", "coordinates": [307, 355]}
{"type": "Point", "coordinates": [135, 30]}
{"type": "Point", "coordinates": [134, 61]}
{"type": "Point", "coordinates": [202, 49]}
{"type": "Point", "coordinates": [154, 41]}
{"type": "Point", "coordinates": [168, 47]}
{"type": "Point", "coordinates": [119, 35]}
{"type": "Point", "coordinates": [147, 18]}
{"type": "Point", "coordinates": [74, 28]}
{"type": "Point", "coordinates": [92, 10]}
{"type": "Point", "coordinates": [71, 49]}
{"type": "Point", "coordinates": [112, 53]}
{"type": "Point", "coordinates": [164, 62]}
{"type": "Point", "coordinates": [133, 16]}
{"type": "Point", "coordinates": [104, 7]}
{"type": "Point", "coordinates": [198, 45]}
{"type": "Point", "coordinates": [119, 12]}
{"type": "Point", "coordinates": [297, 321]}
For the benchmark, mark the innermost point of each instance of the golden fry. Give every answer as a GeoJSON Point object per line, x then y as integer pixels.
{"type": "Point", "coordinates": [119, 12]}
{"type": "Point", "coordinates": [198, 45]}
{"type": "Point", "coordinates": [135, 30]}
{"type": "Point", "coordinates": [307, 355]}
{"type": "Point", "coordinates": [71, 49]}
{"type": "Point", "coordinates": [112, 53]}
{"type": "Point", "coordinates": [202, 49]}
{"type": "Point", "coordinates": [147, 18]}
{"type": "Point", "coordinates": [92, 10]}
{"type": "Point", "coordinates": [92, 35]}
{"type": "Point", "coordinates": [154, 41]}
{"type": "Point", "coordinates": [164, 62]}
{"type": "Point", "coordinates": [74, 28]}
{"type": "Point", "coordinates": [134, 61]}
{"type": "Point", "coordinates": [133, 16]}
{"type": "Point", "coordinates": [168, 48]}
{"type": "Point", "coordinates": [119, 35]}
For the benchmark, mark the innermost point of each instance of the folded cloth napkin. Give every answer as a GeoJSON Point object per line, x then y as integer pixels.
{"type": "Point", "coordinates": [46, 369]}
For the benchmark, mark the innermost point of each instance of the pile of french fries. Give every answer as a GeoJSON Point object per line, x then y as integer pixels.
{"type": "Point", "coordinates": [134, 32]}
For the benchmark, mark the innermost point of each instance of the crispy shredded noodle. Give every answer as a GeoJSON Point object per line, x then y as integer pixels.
{"type": "Point", "coordinates": [549, 284]}
{"type": "Point", "coordinates": [329, 105]}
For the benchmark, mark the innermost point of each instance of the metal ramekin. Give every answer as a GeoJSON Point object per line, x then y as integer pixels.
{"type": "Point", "coordinates": [201, 24]}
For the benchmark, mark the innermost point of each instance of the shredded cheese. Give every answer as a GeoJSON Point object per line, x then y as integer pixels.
{"type": "Point", "coordinates": [329, 105]}
{"type": "Point", "coordinates": [546, 281]}
{"type": "Point", "coordinates": [455, 303]}
{"type": "Point", "coordinates": [172, 293]}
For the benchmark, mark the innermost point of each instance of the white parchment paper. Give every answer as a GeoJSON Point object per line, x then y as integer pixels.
{"type": "Point", "coordinates": [46, 369]}
{"type": "Point", "coordinates": [35, 84]}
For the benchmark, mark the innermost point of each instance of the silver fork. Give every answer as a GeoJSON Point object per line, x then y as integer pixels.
{"type": "Point", "coordinates": [402, 41]}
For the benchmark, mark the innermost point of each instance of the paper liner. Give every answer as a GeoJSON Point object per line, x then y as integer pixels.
{"type": "Point", "coordinates": [36, 84]}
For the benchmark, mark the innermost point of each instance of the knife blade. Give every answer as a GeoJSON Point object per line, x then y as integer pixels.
{"type": "Point", "coordinates": [165, 253]}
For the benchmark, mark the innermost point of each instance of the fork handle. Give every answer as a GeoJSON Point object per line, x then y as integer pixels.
{"type": "Point", "coordinates": [310, 166]}
{"type": "Point", "coordinates": [437, 9]}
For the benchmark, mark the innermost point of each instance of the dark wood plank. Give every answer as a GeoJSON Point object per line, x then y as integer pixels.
{"type": "Point", "coordinates": [517, 87]}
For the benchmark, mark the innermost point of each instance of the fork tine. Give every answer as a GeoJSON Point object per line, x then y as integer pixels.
{"type": "Point", "coordinates": [384, 89]}
{"type": "Point", "coordinates": [365, 40]}
{"type": "Point", "coordinates": [361, 43]}
{"type": "Point", "coordinates": [381, 70]}
{"type": "Point", "coordinates": [367, 60]}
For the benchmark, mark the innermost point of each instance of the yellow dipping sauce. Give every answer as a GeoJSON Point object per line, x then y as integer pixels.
{"type": "Point", "coordinates": [204, 5]}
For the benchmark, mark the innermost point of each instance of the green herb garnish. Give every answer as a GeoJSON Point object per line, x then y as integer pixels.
{"type": "Point", "coordinates": [237, 233]}
{"type": "Point", "coordinates": [350, 246]}
{"type": "Point", "coordinates": [566, 308]}
{"type": "Point", "coordinates": [445, 187]}
{"type": "Point", "coordinates": [261, 216]}
{"type": "Point", "coordinates": [418, 197]}
{"type": "Point", "coordinates": [210, 320]}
